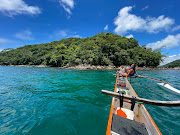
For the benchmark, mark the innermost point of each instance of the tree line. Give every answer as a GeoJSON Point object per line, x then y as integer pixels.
{"type": "Point", "coordinates": [101, 49]}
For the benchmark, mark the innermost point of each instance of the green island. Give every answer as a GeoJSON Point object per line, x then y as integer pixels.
{"type": "Point", "coordinates": [172, 64]}
{"type": "Point", "coordinates": [103, 49]}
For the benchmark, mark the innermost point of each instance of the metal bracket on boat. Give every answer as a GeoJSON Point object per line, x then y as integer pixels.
{"type": "Point", "coordinates": [121, 98]}
{"type": "Point", "coordinates": [133, 101]}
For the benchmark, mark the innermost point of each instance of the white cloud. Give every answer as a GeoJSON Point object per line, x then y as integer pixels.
{"type": "Point", "coordinates": [24, 35]}
{"type": "Point", "coordinates": [144, 8]}
{"type": "Point", "coordinates": [62, 33]}
{"type": "Point", "coordinates": [169, 42]}
{"type": "Point", "coordinates": [126, 21]}
{"type": "Point", "coordinates": [170, 59]}
{"type": "Point", "coordinates": [67, 9]}
{"type": "Point", "coordinates": [176, 28]}
{"type": "Point", "coordinates": [15, 7]}
{"type": "Point", "coordinates": [154, 25]}
{"type": "Point", "coordinates": [106, 28]}
{"type": "Point", "coordinates": [76, 36]}
{"type": "Point", "coordinates": [130, 36]}
{"type": "Point", "coordinates": [68, 5]}
{"type": "Point", "coordinates": [5, 40]}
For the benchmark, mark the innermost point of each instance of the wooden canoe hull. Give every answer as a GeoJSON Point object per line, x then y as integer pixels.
{"type": "Point", "coordinates": [141, 114]}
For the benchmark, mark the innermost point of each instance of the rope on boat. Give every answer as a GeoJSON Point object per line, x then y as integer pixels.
{"type": "Point", "coordinates": [143, 100]}
{"type": "Point", "coordinates": [159, 80]}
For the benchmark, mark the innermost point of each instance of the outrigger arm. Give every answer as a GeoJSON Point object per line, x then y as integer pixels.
{"type": "Point", "coordinates": [143, 100]}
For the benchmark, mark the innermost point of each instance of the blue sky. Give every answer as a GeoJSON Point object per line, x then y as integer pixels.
{"type": "Point", "coordinates": [154, 23]}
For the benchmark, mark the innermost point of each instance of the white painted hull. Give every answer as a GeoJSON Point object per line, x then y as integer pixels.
{"type": "Point", "coordinates": [169, 88]}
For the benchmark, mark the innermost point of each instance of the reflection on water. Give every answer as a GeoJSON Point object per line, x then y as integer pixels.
{"type": "Point", "coordinates": [62, 101]}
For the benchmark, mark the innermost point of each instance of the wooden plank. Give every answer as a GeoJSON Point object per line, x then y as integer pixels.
{"type": "Point", "coordinates": [146, 101]}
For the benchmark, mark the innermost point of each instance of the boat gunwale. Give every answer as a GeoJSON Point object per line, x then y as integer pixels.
{"type": "Point", "coordinates": [146, 110]}
{"type": "Point", "coordinates": [111, 111]}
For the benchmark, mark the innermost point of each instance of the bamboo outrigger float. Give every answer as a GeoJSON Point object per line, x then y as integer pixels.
{"type": "Point", "coordinates": [129, 117]}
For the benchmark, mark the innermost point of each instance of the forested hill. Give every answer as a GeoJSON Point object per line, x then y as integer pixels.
{"type": "Point", "coordinates": [101, 49]}
{"type": "Point", "coordinates": [173, 64]}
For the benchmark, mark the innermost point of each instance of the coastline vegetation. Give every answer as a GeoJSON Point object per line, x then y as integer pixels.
{"type": "Point", "coordinates": [172, 64]}
{"type": "Point", "coordinates": [102, 49]}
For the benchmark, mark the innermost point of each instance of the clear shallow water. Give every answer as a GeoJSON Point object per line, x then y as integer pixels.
{"type": "Point", "coordinates": [62, 101]}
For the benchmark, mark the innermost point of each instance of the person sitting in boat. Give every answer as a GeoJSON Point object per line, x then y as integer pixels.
{"type": "Point", "coordinates": [122, 70]}
{"type": "Point", "coordinates": [131, 71]}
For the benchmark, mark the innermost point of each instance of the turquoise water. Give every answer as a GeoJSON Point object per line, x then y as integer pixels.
{"type": "Point", "coordinates": [52, 101]}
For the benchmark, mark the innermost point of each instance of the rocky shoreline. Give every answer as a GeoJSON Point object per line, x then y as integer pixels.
{"type": "Point", "coordinates": [92, 67]}
{"type": "Point", "coordinates": [117, 68]}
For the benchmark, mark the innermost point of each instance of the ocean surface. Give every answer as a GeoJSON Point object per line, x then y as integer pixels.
{"type": "Point", "coordinates": [54, 101]}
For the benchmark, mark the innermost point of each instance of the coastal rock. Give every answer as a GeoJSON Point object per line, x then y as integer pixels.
{"type": "Point", "coordinates": [93, 67]}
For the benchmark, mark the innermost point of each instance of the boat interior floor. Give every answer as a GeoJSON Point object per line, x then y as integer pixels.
{"type": "Point", "coordinates": [123, 88]}
{"type": "Point", "coordinates": [125, 126]}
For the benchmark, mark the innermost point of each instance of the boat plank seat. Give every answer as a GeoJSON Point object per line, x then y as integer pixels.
{"type": "Point", "coordinates": [123, 126]}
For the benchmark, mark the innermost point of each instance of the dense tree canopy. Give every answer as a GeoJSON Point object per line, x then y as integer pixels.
{"type": "Point", "coordinates": [101, 49]}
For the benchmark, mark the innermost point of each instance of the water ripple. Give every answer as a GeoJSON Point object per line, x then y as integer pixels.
{"type": "Point", "coordinates": [62, 101]}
